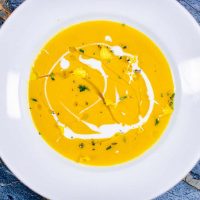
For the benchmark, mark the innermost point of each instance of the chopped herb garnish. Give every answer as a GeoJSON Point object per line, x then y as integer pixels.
{"type": "Point", "coordinates": [93, 143]}
{"type": "Point", "coordinates": [39, 133]}
{"type": "Point", "coordinates": [33, 99]}
{"type": "Point", "coordinates": [122, 98]}
{"type": "Point", "coordinates": [161, 95]}
{"type": "Point", "coordinates": [114, 143]}
{"type": "Point", "coordinates": [109, 147]}
{"type": "Point", "coordinates": [137, 70]}
{"type": "Point", "coordinates": [94, 53]}
{"type": "Point", "coordinates": [119, 77]}
{"type": "Point", "coordinates": [58, 113]}
{"type": "Point", "coordinates": [124, 47]}
{"type": "Point", "coordinates": [82, 88]}
{"type": "Point", "coordinates": [172, 96]}
{"type": "Point", "coordinates": [123, 24]}
{"type": "Point", "coordinates": [124, 139]}
{"type": "Point", "coordinates": [120, 57]}
{"type": "Point", "coordinates": [171, 104]}
{"type": "Point", "coordinates": [171, 101]}
{"type": "Point", "coordinates": [52, 76]}
{"type": "Point", "coordinates": [81, 50]}
{"type": "Point", "coordinates": [86, 103]}
{"type": "Point", "coordinates": [99, 45]}
{"type": "Point", "coordinates": [93, 149]}
{"type": "Point", "coordinates": [81, 145]}
{"type": "Point", "coordinates": [157, 121]}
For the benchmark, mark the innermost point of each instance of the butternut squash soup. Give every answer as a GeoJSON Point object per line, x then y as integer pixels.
{"type": "Point", "coordinates": [101, 93]}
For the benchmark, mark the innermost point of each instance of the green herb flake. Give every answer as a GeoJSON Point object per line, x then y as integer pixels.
{"type": "Point", "coordinates": [82, 88]}
{"type": "Point", "coordinates": [39, 133]}
{"type": "Point", "coordinates": [114, 143]}
{"type": "Point", "coordinates": [124, 47]}
{"type": "Point", "coordinates": [52, 76]}
{"type": "Point", "coordinates": [93, 143]}
{"type": "Point", "coordinates": [162, 95]}
{"type": "Point", "coordinates": [123, 24]}
{"type": "Point", "coordinates": [122, 98]}
{"type": "Point", "coordinates": [120, 57]}
{"type": "Point", "coordinates": [157, 121]}
{"type": "Point", "coordinates": [137, 70]}
{"type": "Point", "coordinates": [124, 139]}
{"type": "Point", "coordinates": [119, 77]}
{"type": "Point", "coordinates": [81, 145]}
{"type": "Point", "coordinates": [33, 99]}
{"type": "Point", "coordinates": [171, 101]}
{"type": "Point", "coordinates": [81, 50]}
{"type": "Point", "coordinates": [171, 104]}
{"type": "Point", "coordinates": [172, 96]}
{"type": "Point", "coordinates": [109, 147]}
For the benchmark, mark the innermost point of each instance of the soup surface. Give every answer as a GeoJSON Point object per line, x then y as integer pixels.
{"type": "Point", "coordinates": [101, 93]}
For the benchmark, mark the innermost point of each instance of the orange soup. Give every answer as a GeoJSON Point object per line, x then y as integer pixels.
{"type": "Point", "coordinates": [101, 93]}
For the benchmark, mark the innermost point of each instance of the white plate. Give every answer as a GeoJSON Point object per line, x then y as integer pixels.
{"type": "Point", "coordinates": [53, 176]}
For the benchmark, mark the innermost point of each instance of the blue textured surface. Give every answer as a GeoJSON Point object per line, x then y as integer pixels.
{"type": "Point", "coordinates": [188, 189]}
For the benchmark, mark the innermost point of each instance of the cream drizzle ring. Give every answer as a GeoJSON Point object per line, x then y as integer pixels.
{"type": "Point", "coordinates": [106, 130]}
